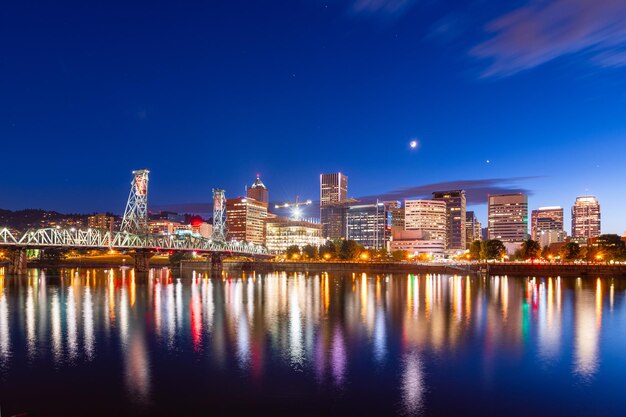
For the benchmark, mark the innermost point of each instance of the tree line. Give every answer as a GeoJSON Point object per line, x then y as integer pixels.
{"type": "Point", "coordinates": [608, 247]}
{"type": "Point", "coordinates": [345, 250]}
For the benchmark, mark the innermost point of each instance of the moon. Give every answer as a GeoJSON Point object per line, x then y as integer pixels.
{"type": "Point", "coordinates": [413, 144]}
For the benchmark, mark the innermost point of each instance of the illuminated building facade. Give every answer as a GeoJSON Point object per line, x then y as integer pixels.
{"type": "Point", "coordinates": [367, 225]}
{"type": "Point", "coordinates": [586, 219]}
{"type": "Point", "coordinates": [456, 212]}
{"type": "Point", "coordinates": [428, 216]}
{"type": "Point", "coordinates": [258, 191]}
{"type": "Point", "coordinates": [417, 242]}
{"type": "Point", "coordinates": [245, 218]}
{"type": "Point", "coordinates": [333, 205]}
{"type": "Point", "coordinates": [282, 232]}
{"type": "Point", "coordinates": [508, 217]}
{"type": "Point", "coordinates": [100, 221]}
{"type": "Point", "coordinates": [472, 228]}
{"type": "Point", "coordinates": [546, 225]}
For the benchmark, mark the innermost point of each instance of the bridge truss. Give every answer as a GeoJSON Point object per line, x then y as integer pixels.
{"type": "Point", "coordinates": [106, 239]}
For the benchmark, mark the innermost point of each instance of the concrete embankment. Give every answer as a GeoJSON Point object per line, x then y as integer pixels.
{"type": "Point", "coordinates": [337, 267]}
{"type": "Point", "coordinates": [553, 270]}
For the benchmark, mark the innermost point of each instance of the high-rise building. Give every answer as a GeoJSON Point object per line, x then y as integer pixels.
{"type": "Point", "coordinates": [472, 228]}
{"type": "Point", "coordinates": [282, 232]}
{"type": "Point", "coordinates": [546, 225]}
{"type": "Point", "coordinates": [429, 216]}
{"type": "Point", "coordinates": [333, 205]}
{"type": "Point", "coordinates": [100, 221]}
{"type": "Point", "coordinates": [586, 220]}
{"type": "Point", "coordinates": [333, 188]}
{"type": "Point", "coordinates": [258, 191]}
{"type": "Point", "coordinates": [456, 210]}
{"type": "Point", "coordinates": [397, 218]}
{"type": "Point", "coordinates": [367, 225]}
{"type": "Point", "coordinates": [333, 220]}
{"type": "Point", "coordinates": [245, 218]}
{"type": "Point", "coordinates": [508, 217]}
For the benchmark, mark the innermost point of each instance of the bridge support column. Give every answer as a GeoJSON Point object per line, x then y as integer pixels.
{"type": "Point", "coordinates": [217, 261]}
{"type": "Point", "coordinates": [141, 260]}
{"type": "Point", "coordinates": [17, 261]}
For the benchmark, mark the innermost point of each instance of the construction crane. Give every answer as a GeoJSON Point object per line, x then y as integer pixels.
{"type": "Point", "coordinates": [295, 206]}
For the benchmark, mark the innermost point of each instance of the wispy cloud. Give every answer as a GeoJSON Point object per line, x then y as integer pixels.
{"type": "Point", "coordinates": [545, 30]}
{"type": "Point", "coordinates": [386, 7]}
{"type": "Point", "coordinates": [476, 190]}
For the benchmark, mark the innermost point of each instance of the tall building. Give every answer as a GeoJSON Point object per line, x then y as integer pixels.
{"type": "Point", "coordinates": [282, 232]}
{"type": "Point", "coordinates": [333, 205]}
{"type": "Point", "coordinates": [586, 220]}
{"type": "Point", "coordinates": [367, 225]}
{"type": "Point", "coordinates": [100, 221]}
{"type": "Point", "coordinates": [546, 225]}
{"type": "Point", "coordinates": [333, 220]}
{"type": "Point", "coordinates": [472, 228]}
{"type": "Point", "coordinates": [333, 188]}
{"type": "Point", "coordinates": [456, 211]}
{"type": "Point", "coordinates": [258, 191]}
{"type": "Point", "coordinates": [245, 218]}
{"type": "Point", "coordinates": [508, 217]}
{"type": "Point", "coordinates": [397, 218]}
{"type": "Point", "coordinates": [429, 216]}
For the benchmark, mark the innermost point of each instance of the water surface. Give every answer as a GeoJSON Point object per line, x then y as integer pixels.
{"type": "Point", "coordinates": [110, 342]}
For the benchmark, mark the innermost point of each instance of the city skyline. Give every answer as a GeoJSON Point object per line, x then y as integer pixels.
{"type": "Point", "coordinates": [291, 90]}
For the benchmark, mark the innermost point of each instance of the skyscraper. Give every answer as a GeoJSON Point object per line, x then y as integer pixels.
{"type": "Point", "coordinates": [508, 217]}
{"type": "Point", "coordinates": [472, 228]}
{"type": "Point", "coordinates": [367, 225]}
{"type": "Point", "coordinates": [546, 225]}
{"type": "Point", "coordinates": [333, 205]}
{"type": "Point", "coordinates": [245, 218]}
{"type": "Point", "coordinates": [333, 188]}
{"type": "Point", "coordinates": [586, 220]}
{"type": "Point", "coordinates": [429, 216]}
{"type": "Point", "coordinates": [455, 209]}
{"type": "Point", "coordinates": [258, 191]}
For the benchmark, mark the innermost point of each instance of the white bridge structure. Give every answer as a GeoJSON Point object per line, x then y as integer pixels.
{"type": "Point", "coordinates": [104, 239]}
{"type": "Point", "coordinates": [133, 238]}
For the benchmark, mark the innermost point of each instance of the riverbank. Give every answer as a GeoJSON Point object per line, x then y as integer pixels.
{"type": "Point", "coordinates": [320, 267]}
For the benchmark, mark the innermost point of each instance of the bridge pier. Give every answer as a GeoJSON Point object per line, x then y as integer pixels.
{"type": "Point", "coordinates": [217, 261]}
{"type": "Point", "coordinates": [18, 264]}
{"type": "Point", "coordinates": [141, 259]}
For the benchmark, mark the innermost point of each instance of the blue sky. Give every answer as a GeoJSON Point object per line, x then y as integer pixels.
{"type": "Point", "coordinates": [209, 93]}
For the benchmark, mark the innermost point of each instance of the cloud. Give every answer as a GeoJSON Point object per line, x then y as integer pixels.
{"type": "Point", "coordinates": [386, 7]}
{"type": "Point", "coordinates": [476, 190]}
{"type": "Point", "coordinates": [544, 30]}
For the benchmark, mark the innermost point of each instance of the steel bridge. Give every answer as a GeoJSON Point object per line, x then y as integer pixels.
{"type": "Point", "coordinates": [141, 247]}
{"type": "Point", "coordinates": [133, 238]}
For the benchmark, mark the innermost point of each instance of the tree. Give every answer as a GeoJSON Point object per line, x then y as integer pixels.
{"type": "Point", "coordinates": [530, 249]}
{"type": "Point", "coordinates": [399, 255]}
{"type": "Point", "coordinates": [474, 250]}
{"type": "Point", "coordinates": [328, 250]}
{"type": "Point", "coordinates": [611, 247]}
{"type": "Point", "coordinates": [546, 253]}
{"type": "Point", "coordinates": [570, 251]}
{"type": "Point", "coordinates": [492, 249]}
{"type": "Point", "coordinates": [310, 252]}
{"type": "Point", "coordinates": [293, 252]}
{"type": "Point", "coordinates": [349, 250]}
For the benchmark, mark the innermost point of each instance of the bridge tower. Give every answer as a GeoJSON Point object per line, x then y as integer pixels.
{"type": "Point", "coordinates": [219, 215]}
{"type": "Point", "coordinates": [136, 214]}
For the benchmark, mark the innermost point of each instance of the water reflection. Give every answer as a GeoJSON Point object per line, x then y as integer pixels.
{"type": "Point", "coordinates": [334, 329]}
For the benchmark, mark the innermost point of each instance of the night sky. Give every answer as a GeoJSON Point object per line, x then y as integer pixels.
{"type": "Point", "coordinates": [518, 95]}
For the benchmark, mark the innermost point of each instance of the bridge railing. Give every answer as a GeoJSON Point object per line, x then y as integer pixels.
{"type": "Point", "coordinates": [99, 238]}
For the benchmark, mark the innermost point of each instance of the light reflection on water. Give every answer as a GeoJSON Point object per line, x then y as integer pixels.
{"type": "Point", "coordinates": [411, 336]}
